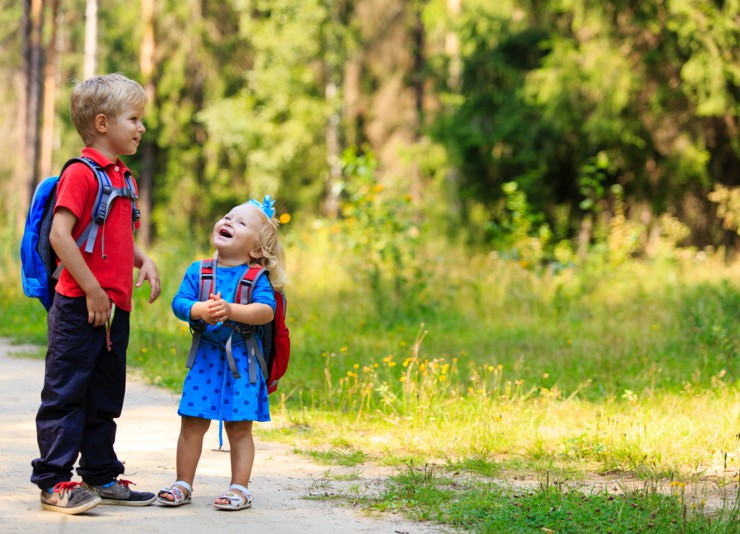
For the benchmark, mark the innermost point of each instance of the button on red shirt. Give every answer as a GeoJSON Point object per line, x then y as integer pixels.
{"type": "Point", "coordinates": [112, 258]}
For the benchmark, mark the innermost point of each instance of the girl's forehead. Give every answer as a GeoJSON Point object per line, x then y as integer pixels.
{"type": "Point", "coordinates": [245, 211]}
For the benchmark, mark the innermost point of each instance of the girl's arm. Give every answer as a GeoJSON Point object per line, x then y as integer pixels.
{"type": "Point", "coordinates": [260, 311]}
{"type": "Point", "coordinates": [254, 313]}
{"type": "Point", "coordinates": [186, 297]}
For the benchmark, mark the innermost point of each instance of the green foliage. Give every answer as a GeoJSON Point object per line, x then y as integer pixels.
{"type": "Point", "coordinates": [191, 74]}
{"type": "Point", "coordinates": [728, 206]}
{"type": "Point", "coordinates": [521, 233]}
{"type": "Point", "coordinates": [380, 234]}
{"type": "Point", "coordinates": [277, 119]}
{"type": "Point", "coordinates": [591, 182]}
{"type": "Point", "coordinates": [256, 96]}
{"type": "Point", "coordinates": [549, 93]}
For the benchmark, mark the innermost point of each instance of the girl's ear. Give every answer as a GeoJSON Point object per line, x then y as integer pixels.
{"type": "Point", "coordinates": [257, 253]}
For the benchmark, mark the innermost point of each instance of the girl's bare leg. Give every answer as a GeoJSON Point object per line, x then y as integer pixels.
{"type": "Point", "coordinates": [189, 448]}
{"type": "Point", "coordinates": [241, 443]}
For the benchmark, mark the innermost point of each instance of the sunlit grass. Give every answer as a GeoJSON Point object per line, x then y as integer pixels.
{"type": "Point", "coordinates": [483, 366]}
{"type": "Point", "coordinates": [483, 506]}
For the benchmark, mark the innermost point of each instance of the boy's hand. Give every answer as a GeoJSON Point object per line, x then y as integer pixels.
{"type": "Point", "coordinates": [148, 271]}
{"type": "Point", "coordinates": [98, 307]}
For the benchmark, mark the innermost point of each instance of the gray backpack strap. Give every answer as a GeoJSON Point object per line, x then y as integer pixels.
{"type": "Point", "coordinates": [90, 232]}
{"type": "Point", "coordinates": [197, 332]}
{"type": "Point", "coordinates": [255, 356]}
{"type": "Point", "coordinates": [255, 353]}
{"type": "Point", "coordinates": [80, 240]}
{"type": "Point", "coordinates": [230, 357]}
{"type": "Point", "coordinates": [206, 279]}
{"type": "Point", "coordinates": [106, 195]}
{"type": "Point", "coordinates": [100, 209]}
{"type": "Point", "coordinates": [252, 349]}
{"type": "Point", "coordinates": [243, 295]}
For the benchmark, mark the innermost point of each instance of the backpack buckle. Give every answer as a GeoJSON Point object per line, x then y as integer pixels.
{"type": "Point", "coordinates": [245, 330]}
{"type": "Point", "coordinates": [198, 326]}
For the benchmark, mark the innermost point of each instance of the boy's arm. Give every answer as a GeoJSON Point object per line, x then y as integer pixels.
{"type": "Point", "coordinates": [147, 271]}
{"type": "Point", "coordinates": [98, 302]}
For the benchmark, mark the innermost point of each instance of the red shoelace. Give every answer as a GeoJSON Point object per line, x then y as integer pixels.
{"type": "Point", "coordinates": [61, 486]}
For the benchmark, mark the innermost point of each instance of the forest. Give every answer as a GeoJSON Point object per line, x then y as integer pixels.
{"type": "Point", "coordinates": [511, 227]}
{"type": "Point", "coordinates": [497, 119]}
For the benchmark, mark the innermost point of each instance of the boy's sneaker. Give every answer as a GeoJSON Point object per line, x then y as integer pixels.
{"type": "Point", "coordinates": [69, 498]}
{"type": "Point", "coordinates": [120, 494]}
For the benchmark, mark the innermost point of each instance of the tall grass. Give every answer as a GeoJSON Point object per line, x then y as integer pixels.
{"type": "Point", "coordinates": [481, 363]}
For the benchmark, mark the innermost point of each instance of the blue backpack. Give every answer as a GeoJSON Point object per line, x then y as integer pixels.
{"type": "Point", "coordinates": [39, 270]}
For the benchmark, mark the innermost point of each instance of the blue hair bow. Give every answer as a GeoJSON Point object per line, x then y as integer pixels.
{"type": "Point", "coordinates": [268, 206]}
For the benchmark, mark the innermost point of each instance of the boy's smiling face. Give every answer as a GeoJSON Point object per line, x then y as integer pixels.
{"type": "Point", "coordinates": [235, 235]}
{"type": "Point", "coordinates": [126, 130]}
{"type": "Point", "coordinates": [122, 133]}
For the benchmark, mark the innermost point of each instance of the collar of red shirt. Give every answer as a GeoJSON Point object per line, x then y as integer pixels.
{"type": "Point", "coordinates": [101, 160]}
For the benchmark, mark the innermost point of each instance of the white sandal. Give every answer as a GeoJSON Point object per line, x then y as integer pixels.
{"type": "Point", "coordinates": [238, 500]}
{"type": "Point", "coordinates": [178, 496]}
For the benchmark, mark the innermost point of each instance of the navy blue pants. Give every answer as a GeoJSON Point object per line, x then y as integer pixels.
{"type": "Point", "coordinates": [84, 386]}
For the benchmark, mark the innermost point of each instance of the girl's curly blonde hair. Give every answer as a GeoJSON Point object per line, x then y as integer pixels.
{"type": "Point", "coordinates": [273, 257]}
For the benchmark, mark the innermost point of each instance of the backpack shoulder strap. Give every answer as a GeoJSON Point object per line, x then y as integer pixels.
{"type": "Point", "coordinates": [106, 194]}
{"type": "Point", "coordinates": [246, 285]}
{"type": "Point", "coordinates": [135, 213]}
{"type": "Point", "coordinates": [206, 279]}
{"type": "Point", "coordinates": [243, 295]}
{"type": "Point", "coordinates": [100, 208]}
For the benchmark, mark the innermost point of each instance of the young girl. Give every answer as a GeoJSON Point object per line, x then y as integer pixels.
{"type": "Point", "coordinates": [245, 236]}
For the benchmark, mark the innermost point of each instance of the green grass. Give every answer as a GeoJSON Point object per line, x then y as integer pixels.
{"type": "Point", "coordinates": [481, 506]}
{"type": "Point", "coordinates": [350, 458]}
{"type": "Point", "coordinates": [487, 371]}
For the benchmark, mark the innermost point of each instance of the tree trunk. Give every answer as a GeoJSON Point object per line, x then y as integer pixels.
{"type": "Point", "coordinates": [333, 156]}
{"type": "Point", "coordinates": [417, 77]}
{"type": "Point", "coordinates": [33, 59]}
{"type": "Point", "coordinates": [146, 178]}
{"type": "Point", "coordinates": [452, 46]}
{"type": "Point", "coordinates": [452, 50]}
{"type": "Point", "coordinates": [91, 39]}
{"type": "Point", "coordinates": [352, 96]}
{"type": "Point", "coordinates": [50, 95]}
{"type": "Point", "coordinates": [20, 173]}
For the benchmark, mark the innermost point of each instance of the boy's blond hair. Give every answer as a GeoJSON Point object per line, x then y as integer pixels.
{"type": "Point", "coordinates": [108, 95]}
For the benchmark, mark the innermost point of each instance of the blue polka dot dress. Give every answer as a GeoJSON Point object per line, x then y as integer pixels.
{"type": "Point", "coordinates": [210, 390]}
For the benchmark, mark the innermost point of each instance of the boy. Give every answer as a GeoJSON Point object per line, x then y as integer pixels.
{"type": "Point", "coordinates": [85, 375]}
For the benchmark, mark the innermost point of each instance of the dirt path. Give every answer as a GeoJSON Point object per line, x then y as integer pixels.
{"type": "Point", "coordinates": [147, 432]}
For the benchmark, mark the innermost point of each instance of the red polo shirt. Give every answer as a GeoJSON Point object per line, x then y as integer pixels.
{"type": "Point", "coordinates": [112, 258]}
